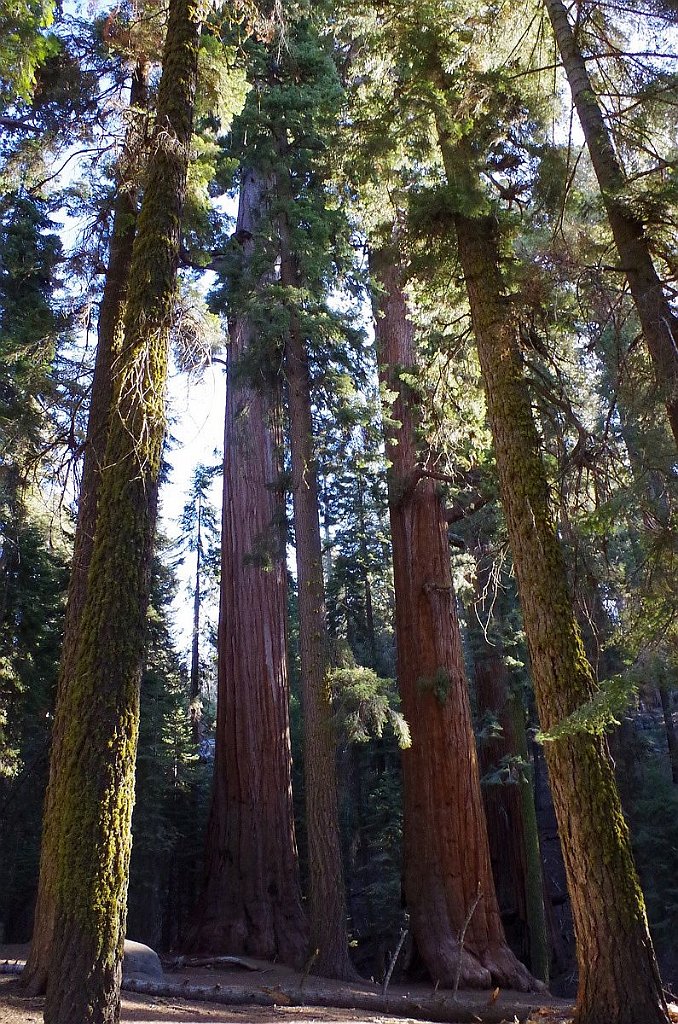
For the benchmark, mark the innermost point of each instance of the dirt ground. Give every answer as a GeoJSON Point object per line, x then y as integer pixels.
{"type": "Point", "coordinates": [272, 980]}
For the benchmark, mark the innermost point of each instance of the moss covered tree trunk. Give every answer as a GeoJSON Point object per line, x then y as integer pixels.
{"type": "Point", "coordinates": [327, 898]}
{"type": "Point", "coordinates": [657, 320]}
{"type": "Point", "coordinates": [447, 872]}
{"type": "Point", "coordinates": [93, 783]}
{"type": "Point", "coordinates": [618, 977]}
{"type": "Point", "coordinates": [251, 899]}
{"type": "Point", "coordinates": [34, 977]}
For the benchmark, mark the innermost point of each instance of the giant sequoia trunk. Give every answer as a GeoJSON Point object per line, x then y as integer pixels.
{"type": "Point", "coordinates": [657, 320]}
{"type": "Point", "coordinates": [93, 782]}
{"type": "Point", "coordinates": [618, 978]}
{"type": "Point", "coordinates": [251, 900]}
{"type": "Point", "coordinates": [447, 874]}
{"type": "Point", "coordinates": [327, 901]}
{"type": "Point", "coordinates": [34, 977]}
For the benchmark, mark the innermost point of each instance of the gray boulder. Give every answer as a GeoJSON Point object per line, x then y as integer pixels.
{"type": "Point", "coordinates": [141, 960]}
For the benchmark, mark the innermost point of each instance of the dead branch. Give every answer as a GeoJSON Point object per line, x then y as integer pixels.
{"type": "Point", "coordinates": [436, 1007]}
{"type": "Point", "coordinates": [179, 963]}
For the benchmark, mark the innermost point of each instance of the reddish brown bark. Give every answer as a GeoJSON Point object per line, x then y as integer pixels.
{"type": "Point", "coordinates": [251, 900]}
{"type": "Point", "coordinates": [447, 870]}
{"type": "Point", "coordinates": [34, 977]}
{"type": "Point", "coordinates": [327, 900]}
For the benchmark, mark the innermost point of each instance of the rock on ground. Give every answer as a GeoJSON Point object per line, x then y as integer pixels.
{"type": "Point", "coordinates": [141, 960]}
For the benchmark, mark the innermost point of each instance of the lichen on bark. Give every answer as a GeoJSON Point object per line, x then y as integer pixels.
{"type": "Point", "coordinates": [111, 310]}
{"type": "Point", "coordinates": [94, 780]}
{"type": "Point", "coordinates": [618, 977]}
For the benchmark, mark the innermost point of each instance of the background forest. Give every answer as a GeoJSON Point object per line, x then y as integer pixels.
{"type": "Point", "coordinates": [418, 187]}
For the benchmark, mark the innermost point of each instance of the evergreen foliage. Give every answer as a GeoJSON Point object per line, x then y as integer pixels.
{"type": "Point", "coordinates": [34, 582]}
{"type": "Point", "coordinates": [358, 118]}
{"type": "Point", "coordinates": [172, 786]}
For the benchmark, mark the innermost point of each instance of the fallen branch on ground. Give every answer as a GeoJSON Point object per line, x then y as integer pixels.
{"type": "Point", "coordinates": [179, 963]}
{"type": "Point", "coordinates": [437, 1007]}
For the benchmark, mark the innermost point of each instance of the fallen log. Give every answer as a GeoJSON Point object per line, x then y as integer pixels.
{"type": "Point", "coordinates": [437, 1007]}
{"type": "Point", "coordinates": [12, 966]}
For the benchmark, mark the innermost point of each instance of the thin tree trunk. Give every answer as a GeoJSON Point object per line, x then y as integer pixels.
{"type": "Point", "coordinates": [94, 779]}
{"type": "Point", "coordinates": [11, 486]}
{"type": "Point", "coordinates": [194, 681]}
{"type": "Point", "coordinates": [534, 875]}
{"type": "Point", "coordinates": [501, 798]}
{"type": "Point", "coordinates": [509, 805]}
{"type": "Point", "coordinates": [251, 899]}
{"type": "Point", "coordinates": [369, 608]}
{"type": "Point", "coordinates": [327, 898]}
{"type": "Point", "coordinates": [34, 977]}
{"type": "Point", "coordinates": [671, 738]}
{"type": "Point", "coordinates": [657, 320]}
{"type": "Point", "coordinates": [447, 872]}
{"type": "Point", "coordinates": [618, 978]}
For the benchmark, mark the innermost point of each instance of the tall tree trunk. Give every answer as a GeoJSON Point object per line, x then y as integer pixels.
{"type": "Point", "coordinates": [194, 680]}
{"type": "Point", "coordinates": [509, 805]}
{"type": "Point", "coordinates": [327, 898]}
{"type": "Point", "coordinates": [618, 978]}
{"type": "Point", "coordinates": [251, 899]}
{"type": "Point", "coordinates": [94, 779]}
{"type": "Point", "coordinates": [665, 696]}
{"type": "Point", "coordinates": [11, 486]}
{"type": "Point", "coordinates": [369, 608]}
{"type": "Point", "coordinates": [658, 322]}
{"type": "Point", "coordinates": [34, 977]}
{"type": "Point", "coordinates": [447, 873]}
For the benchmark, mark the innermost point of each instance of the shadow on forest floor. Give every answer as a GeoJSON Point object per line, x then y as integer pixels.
{"type": "Point", "coordinates": [282, 986]}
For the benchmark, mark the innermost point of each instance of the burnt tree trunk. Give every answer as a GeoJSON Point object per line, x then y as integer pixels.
{"type": "Point", "coordinates": [94, 778]}
{"type": "Point", "coordinates": [251, 900]}
{"type": "Point", "coordinates": [657, 320]}
{"type": "Point", "coordinates": [109, 338]}
{"type": "Point", "coordinates": [447, 873]}
{"type": "Point", "coordinates": [618, 978]}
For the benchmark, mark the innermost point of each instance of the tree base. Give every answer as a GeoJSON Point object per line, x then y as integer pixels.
{"type": "Point", "coordinates": [497, 966]}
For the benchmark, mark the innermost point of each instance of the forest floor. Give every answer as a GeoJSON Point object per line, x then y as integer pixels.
{"type": "Point", "coordinates": [145, 1009]}
{"type": "Point", "coordinates": [282, 987]}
